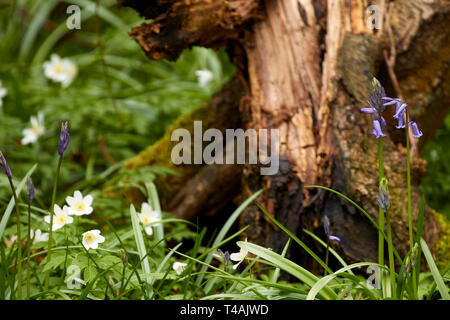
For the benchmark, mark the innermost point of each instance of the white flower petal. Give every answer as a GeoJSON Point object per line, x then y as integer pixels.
{"type": "Point", "coordinates": [78, 196]}
{"type": "Point", "coordinates": [237, 256]}
{"type": "Point", "coordinates": [146, 208]}
{"type": "Point", "coordinates": [149, 230]}
{"type": "Point", "coordinates": [88, 200]}
{"type": "Point", "coordinates": [70, 200]}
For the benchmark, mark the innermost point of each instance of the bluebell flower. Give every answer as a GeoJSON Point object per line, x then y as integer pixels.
{"type": "Point", "coordinates": [401, 123]}
{"type": "Point", "coordinates": [64, 138]}
{"type": "Point", "coordinates": [326, 227]}
{"type": "Point", "coordinates": [5, 166]}
{"type": "Point", "coordinates": [383, 198]}
{"type": "Point", "coordinates": [225, 256]}
{"type": "Point", "coordinates": [415, 129]}
{"type": "Point", "coordinates": [30, 189]}
{"type": "Point", "coordinates": [377, 107]}
{"type": "Point", "coordinates": [377, 131]}
{"type": "Point", "coordinates": [400, 110]}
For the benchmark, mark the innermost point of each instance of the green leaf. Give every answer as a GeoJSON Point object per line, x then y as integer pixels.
{"type": "Point", "coordinates": [296, 239]}
{"type": "Point", "coordinates": [288, 266]}
{"type": "Point", "coordinates": [106, 261]}
{"type": "Point", "coordinates": [321, 284]}
{"type": "Point", "coordinates": [434, 271]}
{"type": "Point", "coordinates": [223, 233]}
{"type": "Point", "coordinates": [11, 202]}
{"type": "Point", "coordinates": [57, 259]}
{"type": "Point", "coordinates": [90, 273]}
{"type": "Point", "coordinates": [140, 245]}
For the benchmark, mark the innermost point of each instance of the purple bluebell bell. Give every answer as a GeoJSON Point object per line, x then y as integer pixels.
{"type": "Point", "coordinates": [377, 131]}
{"type": "Point", "coordinates": [30, 189]}
{"type": "Point", "coordinates": [225, 255]}
{"type": "Point", "coordinates": [370, 110]}
{"type": "Point", "coordinates": [410, 260]}
{"type": "Point", "coordinates": [383, 200]}
{"type": "Point", "coordinates": [5, 166]}
{"type": "Point", "coordinates": [377, 107]}
{"type": "Point", "coordinates": [416, 132]}
{"type": "Point", "coordinates": [401, 123]}
{"type": "Point", "coordinates": [326, 227]}
{"type": "Point", "coordinates": [400, 109]}
{"type": "Point", "coordinates": [390, 101]}
{"type": "Point", "coordinates": [64, 138]}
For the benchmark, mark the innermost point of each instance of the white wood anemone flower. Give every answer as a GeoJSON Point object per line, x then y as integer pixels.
{"type": "Point", "coordinates": [238, 256]}
{"type": "Point", "coordinates": [148, 216]}
{"type": "Point", "coordinates": [39, 236]}
{"type": "Point", "coordinates": [204, 77]}
{"type": "Point", "coordinates": [37, 129]}
{"type": "Point", "coordinates": [79, 205]}
{"type": "Point", "coordinates": [61, 218]}
{"type": "Point", "coordinates": [92, 238]}
{"type": "Point", "coordinates": [60, 70]}
{"type": "Point", "coordinates": [179, 267]}
{"type": "Point", "coordinates": [3, 93]}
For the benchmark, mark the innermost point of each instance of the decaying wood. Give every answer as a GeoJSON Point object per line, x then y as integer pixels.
{"type": "Point", "coordinates": [306, 68]}
{"type": "Point", "coordinates": [196, 188]}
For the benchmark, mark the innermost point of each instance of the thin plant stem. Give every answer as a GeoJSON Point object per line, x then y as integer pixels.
{"type": "Point", "coordinates": [391, 254]}
{"type": "Point", "coordinates": [326, 258]}
{"type": "Point", "coordinates": [380, 211]}
{"type": "Point", "coordinates": [29, 243]}
{"type": "Point", "coordinates": [408, 181]}
{"type": "Point", "coordinates": [19, 243]}
{"type": "Point", "coordinates": [50, 233]}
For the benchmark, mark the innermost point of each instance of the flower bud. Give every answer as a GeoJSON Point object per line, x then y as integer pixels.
{"type": "Point", "coordinates": [63, 138]}
{"type": "Point", "coordinates": [5, 166]}
{"type": "Point", "coordinates": [30, 189]}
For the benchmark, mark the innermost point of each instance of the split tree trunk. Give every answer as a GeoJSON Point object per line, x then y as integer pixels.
{"type": "Point", "coordinates": [305, 67]}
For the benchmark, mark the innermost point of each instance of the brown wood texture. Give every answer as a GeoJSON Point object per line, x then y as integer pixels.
{"type": "Point", "coordinates": [305, 68]}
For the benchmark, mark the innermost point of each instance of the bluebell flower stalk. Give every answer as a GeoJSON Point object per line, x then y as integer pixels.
{"type": "Point", "coordinates": [330, 237]}
{"type": "Point", "coordinates": [383, 201]}
{"type": "Point", "coordinates": [62, 146]}
{"type": "Point", "coordinates": [30, 193]}
{"type": "Point", "coordinates": [7, 170]}
{"type": "Point", "coordinates": [378, 103]}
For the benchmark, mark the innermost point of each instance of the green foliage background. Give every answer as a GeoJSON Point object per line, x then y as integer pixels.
{"type": "Point", "coordinates": [119, 96]}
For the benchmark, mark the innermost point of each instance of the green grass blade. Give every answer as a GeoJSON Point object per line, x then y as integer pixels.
{"type": "Point", "coordinates": [334, 253]}
{"type": "Point", "coordinates": [321, 284]}
{"type": "Point", "coordinates": [434, 271]}
{"type": "Point", "coordinates": [10, 206]}
{"type": "Point", "coordinates": [154, 202]}
{"type": "Point", "coordinates": [39, 18]}
{"type": "Point", "coordinates": [397, 256]}
{"type": "Point", "coordinates": [224, 231]}
{"type": "Point", "coordinates": [288, 266]}
{"type": "Point", "coordinates": [296, 239]}
{"type": "Point", "coordinates": [276, 273]}
{"type": "Point", "coordinates": [420, 218]}
{"type": "Point", "coordinates": [140, 244]}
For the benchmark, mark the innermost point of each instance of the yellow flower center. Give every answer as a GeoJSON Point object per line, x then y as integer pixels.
{"type": "Point", "coordinates": [146, 219]}
{"type": "Point", "coordinates": [35, 129]}
{"type": "Point", "coordinates": [58, 68]}
{"type": "Point", "coordinates": [80, 206]}
{"type": "Point", "coordinates": [89, 237]}
{"type": "Point", "coordinates": [60, 219]}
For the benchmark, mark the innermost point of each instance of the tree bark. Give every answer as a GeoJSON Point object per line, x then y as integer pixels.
{"type": "Point", "coordinates": [305, 67]}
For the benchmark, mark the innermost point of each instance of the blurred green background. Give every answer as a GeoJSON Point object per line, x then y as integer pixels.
{"type": "Point", "coordinates": [120, 101]}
